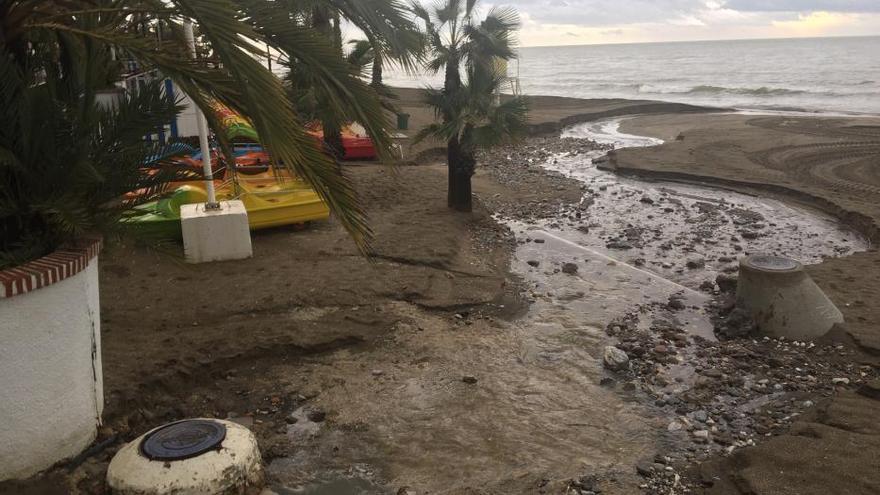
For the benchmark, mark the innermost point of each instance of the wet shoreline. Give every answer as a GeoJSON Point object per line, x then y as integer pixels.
{"type": "Point", "coordinates": [712, 405]}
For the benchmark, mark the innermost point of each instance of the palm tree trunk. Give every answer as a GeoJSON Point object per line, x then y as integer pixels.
{"type": "Point", "coordinates": [461, 162]}
{"type": "Point", "coordinates": [376, 80]}
{"type": "Point", "coordinates": [455, 156]}
{"type": "Point", "coordinates": [321, 21]}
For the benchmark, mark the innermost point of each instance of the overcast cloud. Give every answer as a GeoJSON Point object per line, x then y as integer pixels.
{"type": "Point", "coordinates": [547, 22]}
{"type": "Point", "coordinates": [805, 5]}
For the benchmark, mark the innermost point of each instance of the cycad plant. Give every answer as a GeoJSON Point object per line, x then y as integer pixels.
{"type": "Point", "coordinates": [58, 167]}
{"type": "Point", "coordinates": [67, 164]}
{"type": "Point", "coordinates": [470, 112]}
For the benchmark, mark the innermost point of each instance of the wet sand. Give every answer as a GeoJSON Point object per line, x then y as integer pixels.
{"type": "Point", "coordinates": [832, 164]}
{"type": "Point", "coordinates": [428, 372]}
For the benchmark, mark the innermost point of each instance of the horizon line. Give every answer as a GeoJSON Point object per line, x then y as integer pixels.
{"type": "Point", "coordinates": [780, 38]}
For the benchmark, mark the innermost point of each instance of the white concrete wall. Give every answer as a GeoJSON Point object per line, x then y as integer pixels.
{"type": "Point", "coordinates": [51, 391]}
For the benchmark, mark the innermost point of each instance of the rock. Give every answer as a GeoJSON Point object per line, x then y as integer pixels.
{"type": "Point", "coordinates": [607, 382]}
{"type": "Point", "coordinates": [623, 245]}
{"type": "Point", "coordinates": [469, 379]}
{"type": "Point", "coordinates": [675, 303]}
{"type": "Point", "coordinates": [702, 434]}
{"type": "Point", "coordinates": [674, 426]}
{"type": "Point", "coordinates": [615, 359]}
{"type": "Point", "coordinates": [629, 386]}
{"type": "Point", "coordinates": [533, 263]}
{"type": "Point", "coordinates": [539, 241]}
{"type": "Point", "coordinates": [646, 200]}
{"type": "Point", "coordinates": [378, 372]}
{"type": "Point", "coordinates": [727, 283]}
{"type": "Point", "coordinates": [739, 323]}
{"type": "Point", "coordinates": [695, 264]}
{"type": "Point", "coordinates": [645, 468]}
{"type": "Point", "coordinates": [701, 416]}
{"type": "Point", "coordinates": [840, 381]}
{"type": "Point", "coordinates": [707, 286]}
{"type": "Point", "coordinates": [316, 415]}
{"type": "Point", "coordinates": [569, 268]}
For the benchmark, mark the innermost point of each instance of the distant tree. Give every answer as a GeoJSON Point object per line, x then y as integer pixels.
{"type": "Point", "coordinates": [470, 114]}
{"type": "Point", "coordinates": [390, 34]}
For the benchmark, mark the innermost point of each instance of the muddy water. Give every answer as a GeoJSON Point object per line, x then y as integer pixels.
{"type": "Point", "coordinates": [402, 415]}
{"type": "Point", "coordinates": [636, 244]}
{"type": "Point", "coordinates": [665, 225]}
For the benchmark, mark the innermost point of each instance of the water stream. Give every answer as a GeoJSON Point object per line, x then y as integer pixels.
{"type": "Point", "coordinates": [662, 236]}
{"type": "Point", "coordinates": [539, 410]}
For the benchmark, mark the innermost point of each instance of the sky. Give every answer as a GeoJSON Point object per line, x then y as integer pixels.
{"type": "Point", "coordinates": [576, 22]}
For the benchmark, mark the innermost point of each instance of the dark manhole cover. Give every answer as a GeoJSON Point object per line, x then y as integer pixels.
{"type": "Point", "coordinates": [774, 263]}
{"type": "Point", "coordinates": [183, 440]}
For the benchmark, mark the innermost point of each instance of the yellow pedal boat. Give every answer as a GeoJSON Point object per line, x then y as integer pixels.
{"type": "Point", "coordinates": [269, 202]}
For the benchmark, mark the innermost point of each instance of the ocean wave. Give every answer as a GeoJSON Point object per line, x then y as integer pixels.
{"type": "Point", "coordinates": [762, 91]}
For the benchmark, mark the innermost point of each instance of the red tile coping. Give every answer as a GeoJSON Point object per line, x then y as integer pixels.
{"type": "Point", "coordinates": [65, 262]}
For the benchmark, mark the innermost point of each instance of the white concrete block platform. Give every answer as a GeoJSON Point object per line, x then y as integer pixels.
{"type": "Point", "coordinates": [215, 234]}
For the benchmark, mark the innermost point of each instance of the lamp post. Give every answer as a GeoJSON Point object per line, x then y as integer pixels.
{"type": "Point", "coordinates": [202, 125]}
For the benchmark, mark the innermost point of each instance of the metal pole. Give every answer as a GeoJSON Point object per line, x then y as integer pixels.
{"type": "Point", "coordinates": [203, 130]}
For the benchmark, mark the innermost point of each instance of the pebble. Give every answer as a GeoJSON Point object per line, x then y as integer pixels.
{"type": "Point", "coordinates": [704, 434]}
{"type": "Point", "coordinates": [316, 415]}
{"type": "Point", "coordinates": [569, 268]}
{"type": "Point", "coordinates": [615, 359]}
{"type": "Point", "coordinates": [469, 379]}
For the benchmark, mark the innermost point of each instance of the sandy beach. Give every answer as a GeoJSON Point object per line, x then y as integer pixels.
{"type": "Point", "coordinates": [436, 367]}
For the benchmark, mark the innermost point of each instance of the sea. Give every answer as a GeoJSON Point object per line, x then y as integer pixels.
{"type": "Point", "coordinates": [826, 75]}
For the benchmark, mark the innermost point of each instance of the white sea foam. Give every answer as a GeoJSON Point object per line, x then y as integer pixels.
{"type": "Point", "coordinates": [818, 74]}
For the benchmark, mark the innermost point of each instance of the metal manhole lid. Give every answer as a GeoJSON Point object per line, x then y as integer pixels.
{"type": "Point", "coordinates": [772, 263]}
{"type": "Point", "coordinates": [183, 440]}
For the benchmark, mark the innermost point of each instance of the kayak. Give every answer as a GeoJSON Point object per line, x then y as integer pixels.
{"type": "Point", "coordinates": [268, 201]}
{"type": "Point", "coordinates": [356, 145]}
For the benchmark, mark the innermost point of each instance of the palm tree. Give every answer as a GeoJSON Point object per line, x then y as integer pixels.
{"type": "Point", "coordinates": [472, 119]}
{"type": "Point", "coordinates": [390, 34]}
{"type": "Point", "coordinates": [45, 42]}
{"type": "Point", "coordinates": [467, 110]}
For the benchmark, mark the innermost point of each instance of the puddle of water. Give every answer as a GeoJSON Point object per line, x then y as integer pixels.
{"type": "Point", "coordinates": [333, 485]}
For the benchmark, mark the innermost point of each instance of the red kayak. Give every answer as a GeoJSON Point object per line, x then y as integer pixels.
{"type": "Point", "coordinates": [356, 146]}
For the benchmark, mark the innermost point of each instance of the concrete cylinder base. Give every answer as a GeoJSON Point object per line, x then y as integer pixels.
{"type": "Point", "coordinates": [783, 300]}
{"type": "Point", "coordinates": [234, 468]}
